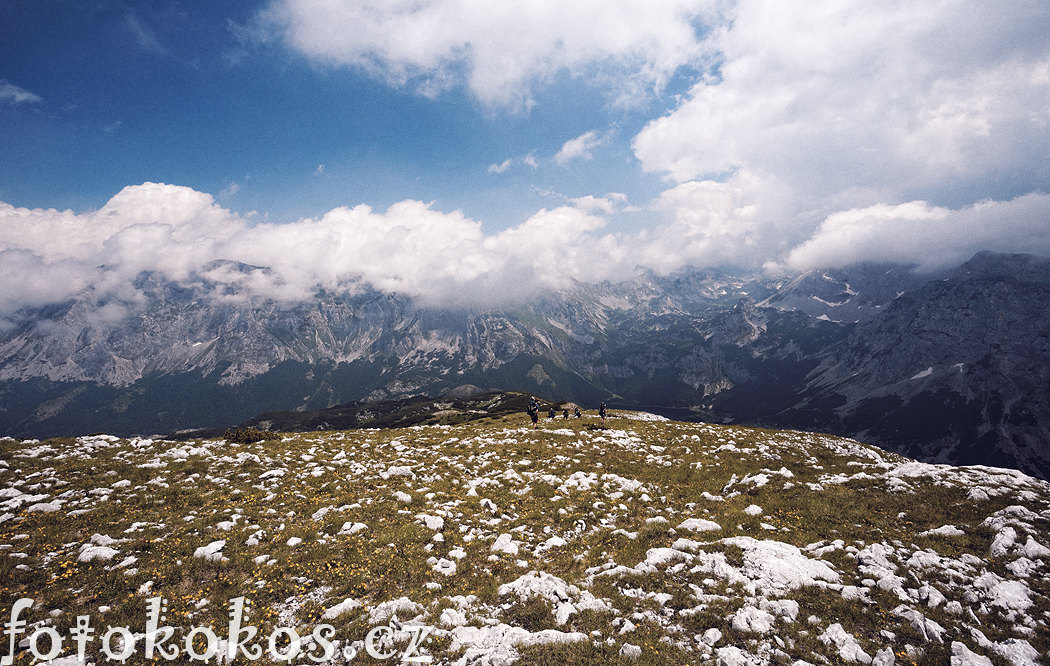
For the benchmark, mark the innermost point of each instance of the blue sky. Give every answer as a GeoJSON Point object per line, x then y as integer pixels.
{"type": "Point", "coordinates": [169, 92]}
{"type": "Point", "coordinates": [518, 143]}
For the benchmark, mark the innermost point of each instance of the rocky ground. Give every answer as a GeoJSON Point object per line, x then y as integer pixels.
{"type": "Point", "coordinates": [647, 541]}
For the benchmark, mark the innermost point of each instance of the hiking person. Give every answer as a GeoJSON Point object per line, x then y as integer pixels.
{"type": "Point", "coordinates": [552, 413]}
{"type": "Point", "coordinates": [601, 413]}
{"type": "Point", "coordinates": [577, 414]}
{"type": "Point", "coordinates": [565, 412]}
{"type": "Point", "coordinates": [534, 413]}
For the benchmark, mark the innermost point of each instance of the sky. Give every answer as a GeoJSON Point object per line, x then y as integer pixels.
{"type": "Point", "coordinates": [451, 149]}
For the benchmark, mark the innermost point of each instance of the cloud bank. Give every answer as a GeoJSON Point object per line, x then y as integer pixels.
{"type": "Point", "coordinates": [447, 259]}
{"type": "Point", "coordinates": [436, 257]}
{"type": "Point", "coordinates": [927, 236]}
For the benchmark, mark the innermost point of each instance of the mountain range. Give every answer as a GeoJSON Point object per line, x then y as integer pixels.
{"type": "Point", "coordinates": [952, 366]}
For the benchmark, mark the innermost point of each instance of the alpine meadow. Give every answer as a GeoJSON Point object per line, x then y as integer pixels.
{"type": "Point", "coordinates": [707, 332]}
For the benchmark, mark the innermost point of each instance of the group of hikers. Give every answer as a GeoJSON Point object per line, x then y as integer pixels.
{"type": "Point", "coordinates": [534, 412]}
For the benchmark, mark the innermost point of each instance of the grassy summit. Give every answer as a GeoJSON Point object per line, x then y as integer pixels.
{"type": "Point", "coordinates": [649, 542]}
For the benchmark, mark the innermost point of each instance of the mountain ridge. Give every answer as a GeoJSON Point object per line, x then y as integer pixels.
{"type": "Point", "coordinates": [949, 367]}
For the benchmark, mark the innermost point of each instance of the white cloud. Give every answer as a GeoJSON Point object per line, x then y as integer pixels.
{"type": "Point", "coordinates": [579, 148]}
{"type": "Point", "coordinates": [866, 99]}
{"type": "Point", "coordinates": [410, 248]}
{"type": "Point", "coordinates": [443, 258]}
{"type": "Point", "coordinates": [552, 248]}
{"type": "Point", "coordinates": [499, 50]}
{"type": "Point", "coordinates": [32, 280]}
{"type": "Point", "coordinates": [147, 227]}
{"type": "Point", "coordinates": [501, 167]}
{"type": "Point", "coordinates": [144, 36]}
{"type": "Point", "coordinates": [527, 160]}
{"type": "Point", "coordinates": [738, 222]}
{"type": "Point", "coordinates": [928, 236]}
{"type": "Point", "coordinates": [850, 109]}
{"type": "Point", "coordinates": [607, 205]}
{"type": "Point", "coordinates": [12, 94]}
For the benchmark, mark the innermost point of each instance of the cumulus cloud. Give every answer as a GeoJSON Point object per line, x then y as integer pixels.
{"type": "Point", "coordinates": [447, 259]}
{"type": "Point", "coordinates": [607, 205]}
{"type": "Point", "coordinates": [868, 100]}
{"type": "Point", "coordinates": [857, 112]}
{"type": "Point", "coordinates": [499, 53]}
{"type": "Point", "coordinates": [579, 148]}
{"type": "Point", "coordinates": [436, 257]}
{"type": "Point", "coordinates": [927, 236]}
{"type": "Point", "coordinates": [184, 235]}
{"type": "Point", "coordinates": [30, 280]}
{"type": "Point", "coordinates": [735, 222]}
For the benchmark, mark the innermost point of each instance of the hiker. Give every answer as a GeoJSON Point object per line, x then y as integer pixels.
{"type": "Point", "coordinates": [552, 413]}
{"type": "Point", "coordinates": [577, 414]}
{"type": "Point", "coordinates": [601, 413]}
{"type": "Point", "coordinates": [534, 413]}
{"type": "Point", "coordinates": [565, 412]}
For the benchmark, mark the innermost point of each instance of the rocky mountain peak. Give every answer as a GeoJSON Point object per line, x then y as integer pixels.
{"type": "Point", "coordinates": [954, 366]}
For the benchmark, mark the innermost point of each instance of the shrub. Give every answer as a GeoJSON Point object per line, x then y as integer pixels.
{"type": "Point", "coordinates": [248, 435]}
